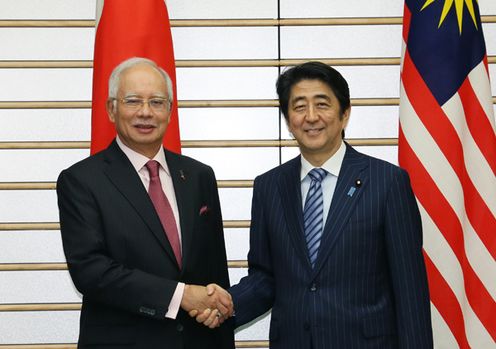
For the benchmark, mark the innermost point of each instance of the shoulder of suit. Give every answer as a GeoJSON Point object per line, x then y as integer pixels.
{"type": "Point", "coordinates": [275, 173]}
{"type": "Point", "coordinates": [186, 161]}
{"type": "Point", "coordinates": [372, 161]}
{"type": "Point", "coordinates": [89, 164]}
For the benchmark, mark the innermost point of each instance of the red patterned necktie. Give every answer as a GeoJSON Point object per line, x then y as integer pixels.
{"type": "Point", "coordinates": [163, 208]}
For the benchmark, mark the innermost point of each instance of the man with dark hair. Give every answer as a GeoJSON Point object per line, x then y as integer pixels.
{"type": "Point", "coordinates": [336, 235]}
{"type": "Point", "coordinates": [142, 229]}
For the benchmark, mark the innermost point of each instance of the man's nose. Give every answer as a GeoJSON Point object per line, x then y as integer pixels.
{"type": "Point", "coordinates": [312, 114]}
{"type": "Point", "coordinates": [145, 109]}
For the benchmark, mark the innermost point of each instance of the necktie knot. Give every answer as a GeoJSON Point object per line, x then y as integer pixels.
{"type": "Point", "coordinates": [152, 167]}
{"type": "Point", "coordinates": [317, 174]}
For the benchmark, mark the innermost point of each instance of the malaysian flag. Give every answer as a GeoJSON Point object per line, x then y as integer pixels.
{"type": "Point", "coordinates": [447, 143]}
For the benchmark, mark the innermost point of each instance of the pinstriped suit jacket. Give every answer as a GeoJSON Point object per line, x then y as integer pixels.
{"type": "Point", "coordinates": [369, 286]}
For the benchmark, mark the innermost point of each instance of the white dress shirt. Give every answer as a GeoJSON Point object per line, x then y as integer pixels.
{"type": "Point", "coordinates": [332, 166]}
{"type": "Point", "coordinates": [139, 161]}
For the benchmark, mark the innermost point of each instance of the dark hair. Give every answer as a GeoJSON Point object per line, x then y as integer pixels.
{"type": "Point", "coordinates": [312, 71]}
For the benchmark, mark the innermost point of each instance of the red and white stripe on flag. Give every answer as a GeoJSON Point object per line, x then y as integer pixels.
{"type": "Point", "coordinates": [449, 150]}
{"type": "Point", "coordinates": [129, 28]}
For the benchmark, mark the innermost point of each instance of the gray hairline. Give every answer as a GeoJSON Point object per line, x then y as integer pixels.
{"type": "Point", "coordinates": [115, 76]}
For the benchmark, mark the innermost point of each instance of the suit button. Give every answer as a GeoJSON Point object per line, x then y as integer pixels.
{"type": "Point", "coordinates": [306, 326]}
{"type": "Point", "coordinates": [313, 287]}
{"type": "Point", "coordinates": [179, 327]}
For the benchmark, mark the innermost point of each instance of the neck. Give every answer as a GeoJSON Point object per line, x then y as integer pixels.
{"type": "Point", "coordinates": [147, 150]}
{"type": "Point", "coordinates": [317, 159]}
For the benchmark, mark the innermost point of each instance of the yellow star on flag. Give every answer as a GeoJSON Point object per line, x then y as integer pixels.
{"type": "Point", "coordinates": [448, 4]}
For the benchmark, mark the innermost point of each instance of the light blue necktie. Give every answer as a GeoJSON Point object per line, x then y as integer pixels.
{"type": "Point", "coordinates": [313, 213]}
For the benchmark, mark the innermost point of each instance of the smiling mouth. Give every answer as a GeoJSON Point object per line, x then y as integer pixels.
{"type": "Point", "coordinates": [144, 126]}
{"type": "Point", "coordinates": [313, 131]}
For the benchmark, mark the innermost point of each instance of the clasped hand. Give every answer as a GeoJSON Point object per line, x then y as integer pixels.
{"type": "Point", "coordinates": [210, 305]}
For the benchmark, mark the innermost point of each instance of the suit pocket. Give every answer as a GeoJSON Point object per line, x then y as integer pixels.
{"type": "Point", "coordinates": [376, 326]}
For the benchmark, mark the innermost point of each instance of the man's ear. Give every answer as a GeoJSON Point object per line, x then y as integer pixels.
{"type": "Point", "coordinates": [110, 106]}
{"type": "Point", "coordinates": [346, 117]}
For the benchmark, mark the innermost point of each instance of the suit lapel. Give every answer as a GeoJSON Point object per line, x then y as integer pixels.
{"type": "Point", "coordinates": [122, 174]}
{"type": "Point", "coordinates": [184, 194]}
{"type": "Point", "coordinates": [290, 189]}
{"type": "Point", "coordinates": [346, 195]}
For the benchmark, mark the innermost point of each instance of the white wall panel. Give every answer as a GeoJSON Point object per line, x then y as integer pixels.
{"type": "Point", "coordinates": [39, 327]}
{"type": "Point", "coordinates": [341, 41]}
{"type": "Point", "coordinates": [45, 124]}
{"type": "Point", "coordinates": [48, 9]}
{"type": "Point", "coordinates": [45, 84]}
{"type": "Point", "coordinates": [487, 7]}
{"type": "Point", "coordinates": [225, 42]}
{"type": "Point", "coordinates": [221, 9]}
{"type": "Point", "coordinates": [28, 206]}
{"type": "Point", "coordinates": [356, 8]}
{"type": "Point", "coordinates": [236, 203]}
{"type": "Point", "coordinates": [492, 76]}
{"type": "Point", "coordinates": [388, 153]}
{"type": "Point", "coordinates": [372, 82]}
{"type": "Point", "coordinates": [237, 243]}
{"type": "Point", "coordinates": [31, 247]}
{"type": "Point", "coordinates": [37, 287]}
{"type": "Point", "coordinates": [353, 41]}
{"type": "Point", "coordinates": [236, 163]}
{"type": "Point", "coordinates": [373, 122]}
{"type": "Point", "coordinates": [490, 37]}
{"type": "Point", "coordinates": [47, 43]}
{"type": "Point", "coordinates": [337, 8]}
{"type": "Point", "coordinates": [37, 165]}
{"type": "Point", "coordinates": [226, 83]}
{"type": "Point", "coordinates": [227, 123]}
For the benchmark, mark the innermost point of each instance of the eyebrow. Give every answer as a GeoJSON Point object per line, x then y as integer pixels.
{"type": "Point", "coordinates": [323, 96]}
{"type": "Point", "coordinates": [132, 94]}
{"type": "Point", "coordinates": [297, 99]}
{"type": "Point", "coordinates": [319, 96]}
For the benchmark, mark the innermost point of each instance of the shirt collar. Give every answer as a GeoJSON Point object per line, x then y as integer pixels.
{"type": "Point", "coordinates": [139, 161]}
{"type": "Point", "coordinates": [332, 165]}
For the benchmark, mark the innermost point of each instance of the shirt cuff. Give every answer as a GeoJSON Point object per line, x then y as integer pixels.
{"type": "Point", "coordinates": [175, 302]}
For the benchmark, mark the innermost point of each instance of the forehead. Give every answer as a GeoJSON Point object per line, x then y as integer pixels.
{"type": "Point", "coordinates": [311, 89]}
{"type": "Point", "coordinates": [142, 78]}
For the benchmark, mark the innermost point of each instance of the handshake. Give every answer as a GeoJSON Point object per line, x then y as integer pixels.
{"type": "Point", "coordinates": [210, 305]}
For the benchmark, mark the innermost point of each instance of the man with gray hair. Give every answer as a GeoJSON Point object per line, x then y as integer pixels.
{"type": "Point", "coordinates": [142, 229]}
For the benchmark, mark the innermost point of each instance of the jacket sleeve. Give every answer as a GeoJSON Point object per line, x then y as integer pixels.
{"type": "Point", "coordinates": [254, 295]}
{"type": "Point", "coordinates": [404, 245]}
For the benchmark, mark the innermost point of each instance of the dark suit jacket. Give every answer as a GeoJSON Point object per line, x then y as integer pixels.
{"type": "Point", "coordinates": [120, 258]}
{"type": "Point", "coordinates": [368, 288]}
